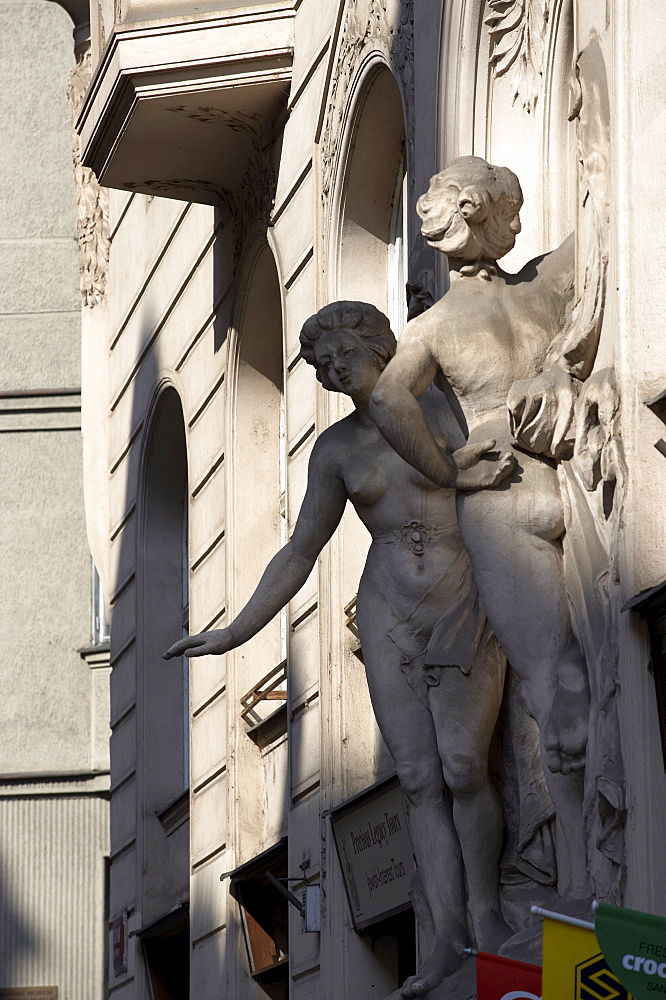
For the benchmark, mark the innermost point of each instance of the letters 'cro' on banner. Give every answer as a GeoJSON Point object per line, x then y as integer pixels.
{"type": "Point", "coordinates": [500, 978]}
{"type": "Point", "coordinates": [634, 945]}
{"type": "Point", "coordinates": [574, 967]}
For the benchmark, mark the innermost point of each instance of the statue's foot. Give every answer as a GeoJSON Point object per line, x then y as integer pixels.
{"type": "Point", "coordinates": [525, 945]}
{"type": "Point", "coordinates": [491, 931]}
{"type": "Point", "coordinates": [439, 964]}
{"type": "Point", "coordinates": [565, 735]}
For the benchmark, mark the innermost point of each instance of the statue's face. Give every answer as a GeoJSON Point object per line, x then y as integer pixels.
{"type": "Point", "coordinates": [346, 364]}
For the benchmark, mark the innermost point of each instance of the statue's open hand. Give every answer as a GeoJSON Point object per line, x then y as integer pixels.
{"type": "Point", "coordinates": [541, 412]}
{"type": "Point", "coordinates": [217, 641]}
{"type": "Point", "coordinates": [481, 465]}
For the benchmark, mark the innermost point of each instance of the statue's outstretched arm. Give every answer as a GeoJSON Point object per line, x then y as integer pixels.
{"type": "Point", "coordinates": [399, 417]}
{"type": "Point", "coordinates": [288, 570]}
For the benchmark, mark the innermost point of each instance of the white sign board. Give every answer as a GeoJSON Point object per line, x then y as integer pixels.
{"type": "Point", "coordinates": [376, 855]}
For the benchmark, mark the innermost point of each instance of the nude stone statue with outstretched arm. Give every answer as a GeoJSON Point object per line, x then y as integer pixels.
{"type": "Point", "coordinates": [418, 617]}
{"type": "Point", "coordinates": [490, 330]}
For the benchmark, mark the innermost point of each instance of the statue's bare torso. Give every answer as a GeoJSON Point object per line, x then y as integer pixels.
{"type": "Point", "coordinates": [486, 333]}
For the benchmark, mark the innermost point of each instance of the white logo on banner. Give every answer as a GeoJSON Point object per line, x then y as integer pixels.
{"type": "Point", "coordinates": [520, 995]}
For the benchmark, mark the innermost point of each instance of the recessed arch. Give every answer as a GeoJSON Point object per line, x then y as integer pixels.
{"type": "Point", "coordinates": [518, 120]}
{"type": "Point", "coordinates": [369, 182]}
{"type": "Point", "coordinates": [256, 462]}
{"type": "Point", "coordinates": [162, 695]}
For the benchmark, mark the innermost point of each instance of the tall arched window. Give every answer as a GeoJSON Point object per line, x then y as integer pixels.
{"type": "Point", "coordinates": [373, 231]}
{"type": "Point", "coordinates": [398, 262]}
{"type": "Point", "coordinates": [257, 526]}
{"type": "Point", "coordinates": [372, 238]}
{"type": "Point", "coordinates": [163, 697]}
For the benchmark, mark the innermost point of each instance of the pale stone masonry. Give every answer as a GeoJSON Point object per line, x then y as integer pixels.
{"type": "Point", "coordinates": [54, 759]}
{"type": "Point", "coordinates": [256, 159]}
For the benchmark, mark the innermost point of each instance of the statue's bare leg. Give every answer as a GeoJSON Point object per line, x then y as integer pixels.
{"type": "Point", "coordinates": [465, 710]}
{"type": "Point", "coordinates": [409, 733]}
{"type": "Point", "coordinates": [511, 535]}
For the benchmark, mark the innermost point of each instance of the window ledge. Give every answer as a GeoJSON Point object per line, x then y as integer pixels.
{"type": "Point", "coordinates": [180, 108]}
{"type": "Point", "coordinates": [176, 813]}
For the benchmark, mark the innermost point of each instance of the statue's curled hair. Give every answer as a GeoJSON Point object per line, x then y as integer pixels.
{"type": "Point", "coordinates": [487, 198]}
{"type": "Point", "coordinates": [360, 318]}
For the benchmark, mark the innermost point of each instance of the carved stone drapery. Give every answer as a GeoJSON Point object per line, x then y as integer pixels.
{"type": "Point", "coordinates": [518, 42]}
{"type": "Point", "coordinates": [92, 200]}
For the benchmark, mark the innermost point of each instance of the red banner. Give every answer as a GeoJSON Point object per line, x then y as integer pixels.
{"type": "Point", "coordinates": [503, 979]}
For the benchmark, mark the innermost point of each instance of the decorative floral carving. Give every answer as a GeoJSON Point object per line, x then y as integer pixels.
{"type": "Point", "coordinates": [252, 203]}
{"type": "Point", "coordinates": [402, 58]}
{"type": "Point", "coordinates": [356, 31]}
{"type": "Point", "coordinates": [237, 121]}
{"type": "Point", "coordinates": [518, 41]}
{"type": "Point", "coordinates": [184, 184]}
{"type": "Point", "coordinates": [101, 30]}
{"type": "Point", "coordinates": [92, 200]}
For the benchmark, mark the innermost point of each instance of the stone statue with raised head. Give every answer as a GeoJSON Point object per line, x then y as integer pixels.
{"type": "Point", "coordinates": [493, 337]}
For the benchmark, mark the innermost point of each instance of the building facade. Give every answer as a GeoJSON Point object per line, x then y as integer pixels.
{"type": "Point", "coordinates": [262, 161]}
{"type": "Point", "coordinates": [54, 759]}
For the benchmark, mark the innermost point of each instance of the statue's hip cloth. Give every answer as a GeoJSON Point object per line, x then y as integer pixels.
{"type": "Point", "coordinates": [446, 627]}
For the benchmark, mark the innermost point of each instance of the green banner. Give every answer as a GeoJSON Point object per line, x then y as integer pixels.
{"type": "Point", "coordinates": [634, 946]}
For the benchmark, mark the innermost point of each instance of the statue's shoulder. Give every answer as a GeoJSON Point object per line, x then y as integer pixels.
{"type": "Point", "coordinates": [332, 444]}
{"type": "Point", "coordinates": [554, 270]}
{"type": "Point", "coordinates": [420, 329]}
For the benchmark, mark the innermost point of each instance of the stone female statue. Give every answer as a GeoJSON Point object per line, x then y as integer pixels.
{"type": "Point", "coordinates": [417, 605]}
{"type": "Point", "coordinates": [488, 331]}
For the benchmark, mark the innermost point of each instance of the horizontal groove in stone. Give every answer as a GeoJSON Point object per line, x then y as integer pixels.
{"type": "Point", "coordinates": [300, 441]}
{"type": "Point", "coordinates": [161, 322]}
{"type": "Point", "coordinates": [209, 700]}
{"type": "Point", "coordinates": [208, 474]}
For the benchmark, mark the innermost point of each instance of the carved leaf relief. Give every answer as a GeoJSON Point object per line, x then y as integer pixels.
{"type": "Point", "coordinates": [518, 43]}
{"type": "Point", "coordinates": [252, 202]}
{"type": "Point", "coordinates": [366, 23]}
{"type": "Point", "coordinates": [92, 201]}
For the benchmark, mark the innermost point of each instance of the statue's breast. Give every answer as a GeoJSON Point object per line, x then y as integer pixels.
{"type": "Point", "coordinates": [366, 480]}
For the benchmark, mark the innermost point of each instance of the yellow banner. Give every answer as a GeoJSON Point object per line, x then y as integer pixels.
{"type": "Point", "coordinates": [574, 967]}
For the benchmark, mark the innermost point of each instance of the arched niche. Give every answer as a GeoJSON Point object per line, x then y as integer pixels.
{"type": "Point", "coordinates": [162, 690]}
{"type": "Point", "coordinates": [256, 462]}
{"type": "Point", "coordinates": [368, 225]}
{"type": "Point", "coordinates": [369, 192]}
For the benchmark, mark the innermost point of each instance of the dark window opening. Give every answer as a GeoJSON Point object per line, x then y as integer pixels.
{"type": "Point", "coordinates": [265, 920]}
{"type": "Point", "coordinates": [651, 605]}
{"type": "Point", "coordinates": [394, 942]}
{"type": "Point", "coordinates": [166, 952]}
